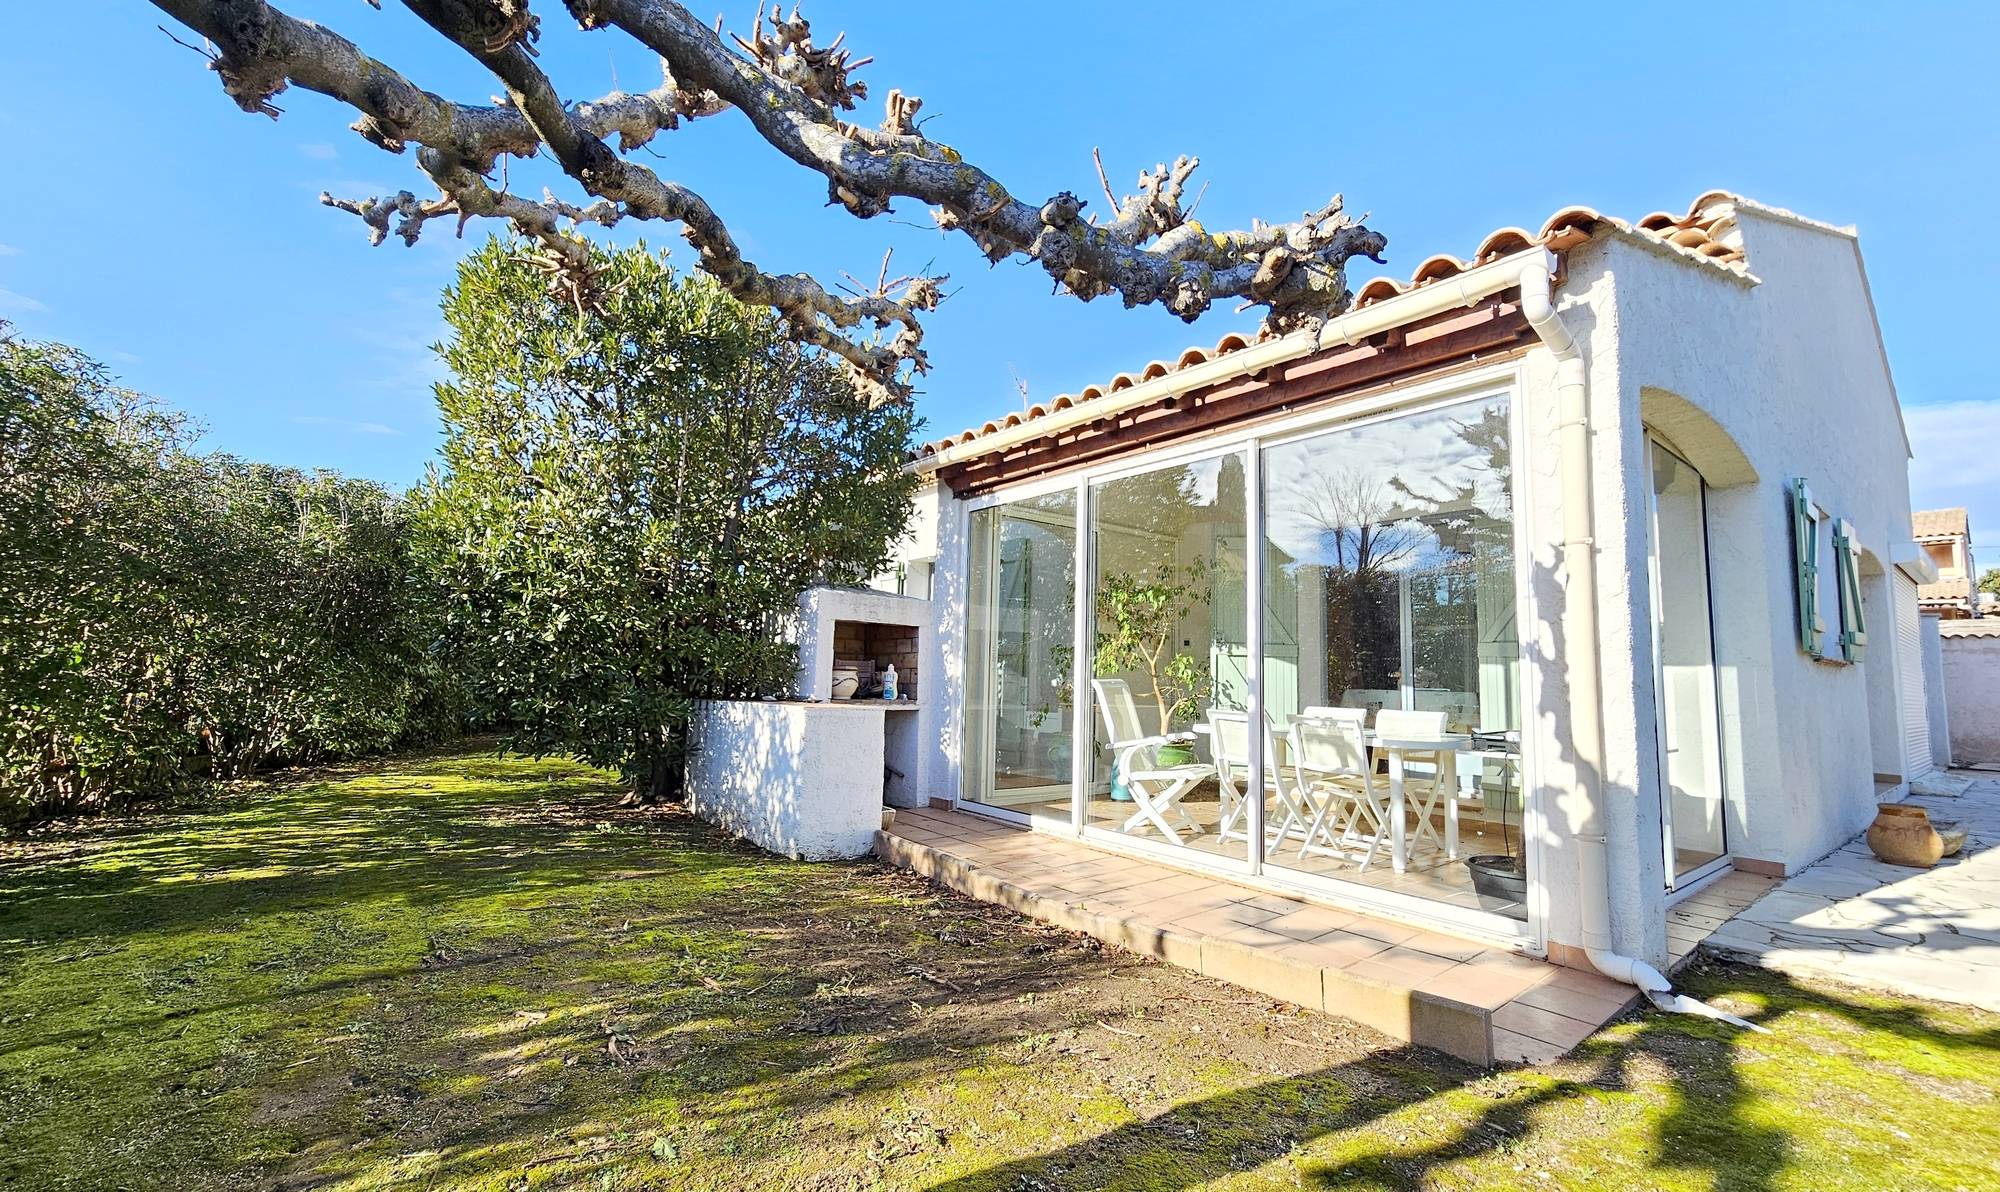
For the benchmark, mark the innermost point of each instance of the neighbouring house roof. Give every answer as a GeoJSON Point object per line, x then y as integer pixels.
{"type": "Point", "coordinates": [1952, 591]}
{"type": "Point", "coordinates": [1981, 627]}
{"type": "Point", "coordinates": [1940, 523]}
{"type": "Point", "coordinates": [1704, 236]}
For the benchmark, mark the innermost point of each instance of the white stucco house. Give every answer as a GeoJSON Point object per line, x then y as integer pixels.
{"type": "Point", "coordinates": [1623, 507]}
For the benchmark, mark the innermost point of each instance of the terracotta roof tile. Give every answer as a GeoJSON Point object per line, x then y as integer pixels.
{"type": "Point", "coordinates": [1938, 523]}
{"type": "Point", "coordinates": [1705, 234]}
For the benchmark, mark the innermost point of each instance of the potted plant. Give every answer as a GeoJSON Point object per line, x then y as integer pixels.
{"type": "Point", "coordinates": [1138, 621]}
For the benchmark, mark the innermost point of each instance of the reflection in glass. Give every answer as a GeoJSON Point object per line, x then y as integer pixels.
{"type": "Point", "coordinates": [1390, 585]}
{"type": "Point", "coordinates": [1020, 648]}
{"type": "Point", "coordinates": [1690, 737]}
{"type": "Point", "coordinates": [1167, 602]}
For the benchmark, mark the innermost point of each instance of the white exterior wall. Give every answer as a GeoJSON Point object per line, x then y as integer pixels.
{"type": "Point", "coordinates": [1756, 384]}
{"type": "Point", "coordinates": [1588, 302]}
{"type": "Point", "coordinates": [800, 780]}
{"type": "Point", "coordinates": [913, 558]}
{"type": "Point", "coordinates": [934, 546]}
{"type": "Point", "coordinates": [1972, 693]}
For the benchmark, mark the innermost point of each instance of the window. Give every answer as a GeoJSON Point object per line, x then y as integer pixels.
{"type": "Point", "coordinates": [1684, 686]}
{"type": "Point", "coordinates": [1020, 642]}
{"type": "Point", "coordinates": [1386, 568]}
{"type": "Point", "coordinates": [1167, 603]}
{"type": "Point", "coordinates": [1390, 584]}
{"type": "Point", "coordinates": [1829, 579]}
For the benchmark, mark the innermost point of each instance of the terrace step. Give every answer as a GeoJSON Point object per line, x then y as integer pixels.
{"type": "Point", "coordinates": [1471, 1000]}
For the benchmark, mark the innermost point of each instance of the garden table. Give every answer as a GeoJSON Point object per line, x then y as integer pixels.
{"type": "Point", "coordinates": [1444, 784]}
{"type": "Point", "coordinates": [1445, 749]}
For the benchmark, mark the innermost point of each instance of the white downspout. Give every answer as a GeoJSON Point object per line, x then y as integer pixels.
{"type": "Point", "coordinates": [1586, 690]}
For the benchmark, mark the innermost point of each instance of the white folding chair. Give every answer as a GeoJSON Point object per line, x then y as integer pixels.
{"type": "Point", "coordinates": [1332, 772]}
{"type": "Point", "coordinates": [1424, 795]}
{"type": "Point", "coordinates": [1156, 790]}
{"type": "Point", "coordinates": [1230, 741]}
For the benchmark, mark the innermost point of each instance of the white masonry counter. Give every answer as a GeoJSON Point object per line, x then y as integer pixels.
{"type": "Point", "coordinates": [806, 779]}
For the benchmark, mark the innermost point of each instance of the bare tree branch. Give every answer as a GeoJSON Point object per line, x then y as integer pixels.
{"type": "Point", "coordinates": [792, 91]}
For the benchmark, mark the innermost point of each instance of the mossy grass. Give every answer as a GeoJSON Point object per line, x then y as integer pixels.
{"type": "Point", "coordinates": [459, 970]}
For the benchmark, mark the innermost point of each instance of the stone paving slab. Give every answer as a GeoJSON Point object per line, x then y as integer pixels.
{"type": "Point", "coordinates": [1932, 933]}
{"type": "Point", "coordinates": [1473, 1000]}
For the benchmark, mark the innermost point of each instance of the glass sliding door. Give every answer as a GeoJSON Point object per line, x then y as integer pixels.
{"type": "Point", "coordinates": [1690, 736]}
{"type": "Point", "coordinates": [1170, 654]}
{"type": "Point", "coordinates": [1390, 586]}
{"type": "Point", "coordinates": [1020, 651]}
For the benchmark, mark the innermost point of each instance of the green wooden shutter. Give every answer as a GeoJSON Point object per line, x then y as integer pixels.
{"type": "Point", "coordinates": [1805, 557]}
{"type": "Point", "coordinates": [1853, 624]}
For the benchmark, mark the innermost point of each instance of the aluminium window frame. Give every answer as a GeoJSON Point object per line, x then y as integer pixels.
{"type": "Point", "coordinates": [1679, 883]}
{"type": "Point", "coordinates": [1389, 402]}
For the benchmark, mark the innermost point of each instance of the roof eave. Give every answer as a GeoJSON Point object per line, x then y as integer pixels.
{"type": "Point", "coordinates": [1461, 290]}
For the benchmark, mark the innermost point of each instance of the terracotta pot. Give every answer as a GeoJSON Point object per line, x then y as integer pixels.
{"type": "Point", "coordinates": [1952, 834]}
{"type": "Point", "coordinates": [1902, 835]}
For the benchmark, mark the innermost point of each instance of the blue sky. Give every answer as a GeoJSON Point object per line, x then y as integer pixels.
{"type": "Point", "coordinates": [148, 221]}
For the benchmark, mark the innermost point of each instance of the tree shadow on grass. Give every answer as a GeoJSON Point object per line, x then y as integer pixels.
{"type": "Point", "coordinates": [1711, 1132]}
{"type": "Point", "coordinates": [407, 835]}
{"type": "Point", "coordinates": [425, 959]}
{"type": "Point", "coordinates": [765, 1045]}
{"type": "Point", "coordinates": [548, 991]}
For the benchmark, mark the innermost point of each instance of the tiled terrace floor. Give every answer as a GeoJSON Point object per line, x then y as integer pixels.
{"type": "Point", "coordinates": [1481, 1003]}
{"type": "Point", "coordinates": [1429, 874]}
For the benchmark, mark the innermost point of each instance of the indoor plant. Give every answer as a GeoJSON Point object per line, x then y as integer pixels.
{"type": "Point", "coordinates": [1138, 619]}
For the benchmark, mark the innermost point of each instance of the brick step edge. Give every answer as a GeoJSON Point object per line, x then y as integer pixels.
{"type": "Point", "coordinates": [1412, 1015]}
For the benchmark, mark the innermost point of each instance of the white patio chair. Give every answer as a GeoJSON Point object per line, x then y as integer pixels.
{"type": "Point", "coordinates": [1156, 790]}
{"type": "Point", "coordinates": [1422, 794]}
{"type": "Point", "coordinates": [1332, 772]}
{"type": "Point", "coordinates": [1230, 739]}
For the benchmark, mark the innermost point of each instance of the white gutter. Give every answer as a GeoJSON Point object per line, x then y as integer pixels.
{"type": "Point", "coordinates": [1432, 298]}
{"type": "Point", "coordinates": [1586, 688]}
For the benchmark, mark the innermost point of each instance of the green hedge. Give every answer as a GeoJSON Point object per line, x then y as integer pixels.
{"type": "Point", "coordinates": [168, 617]}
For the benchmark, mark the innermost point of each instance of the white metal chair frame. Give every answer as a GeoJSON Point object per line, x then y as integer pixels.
{"type": "Point", "coordinates": [1333, 772]}
{"type": "Point", "coordinates": [1423, 797]}
{"type": "Point", "coordinates": [1156, 790]}
{"type": "Point", "coordinates": [1229, 739]}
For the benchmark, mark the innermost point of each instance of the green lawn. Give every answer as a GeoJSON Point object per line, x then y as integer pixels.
{"type": "Point", "coordinates": [459, 971]}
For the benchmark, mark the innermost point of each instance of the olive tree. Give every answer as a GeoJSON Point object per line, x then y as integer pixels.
{"type": "Point", "coordinates": [634, 495]}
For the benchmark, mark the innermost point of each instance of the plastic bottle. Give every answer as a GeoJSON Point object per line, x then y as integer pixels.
{"type": "Point", "coordinates": [889, 682]}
